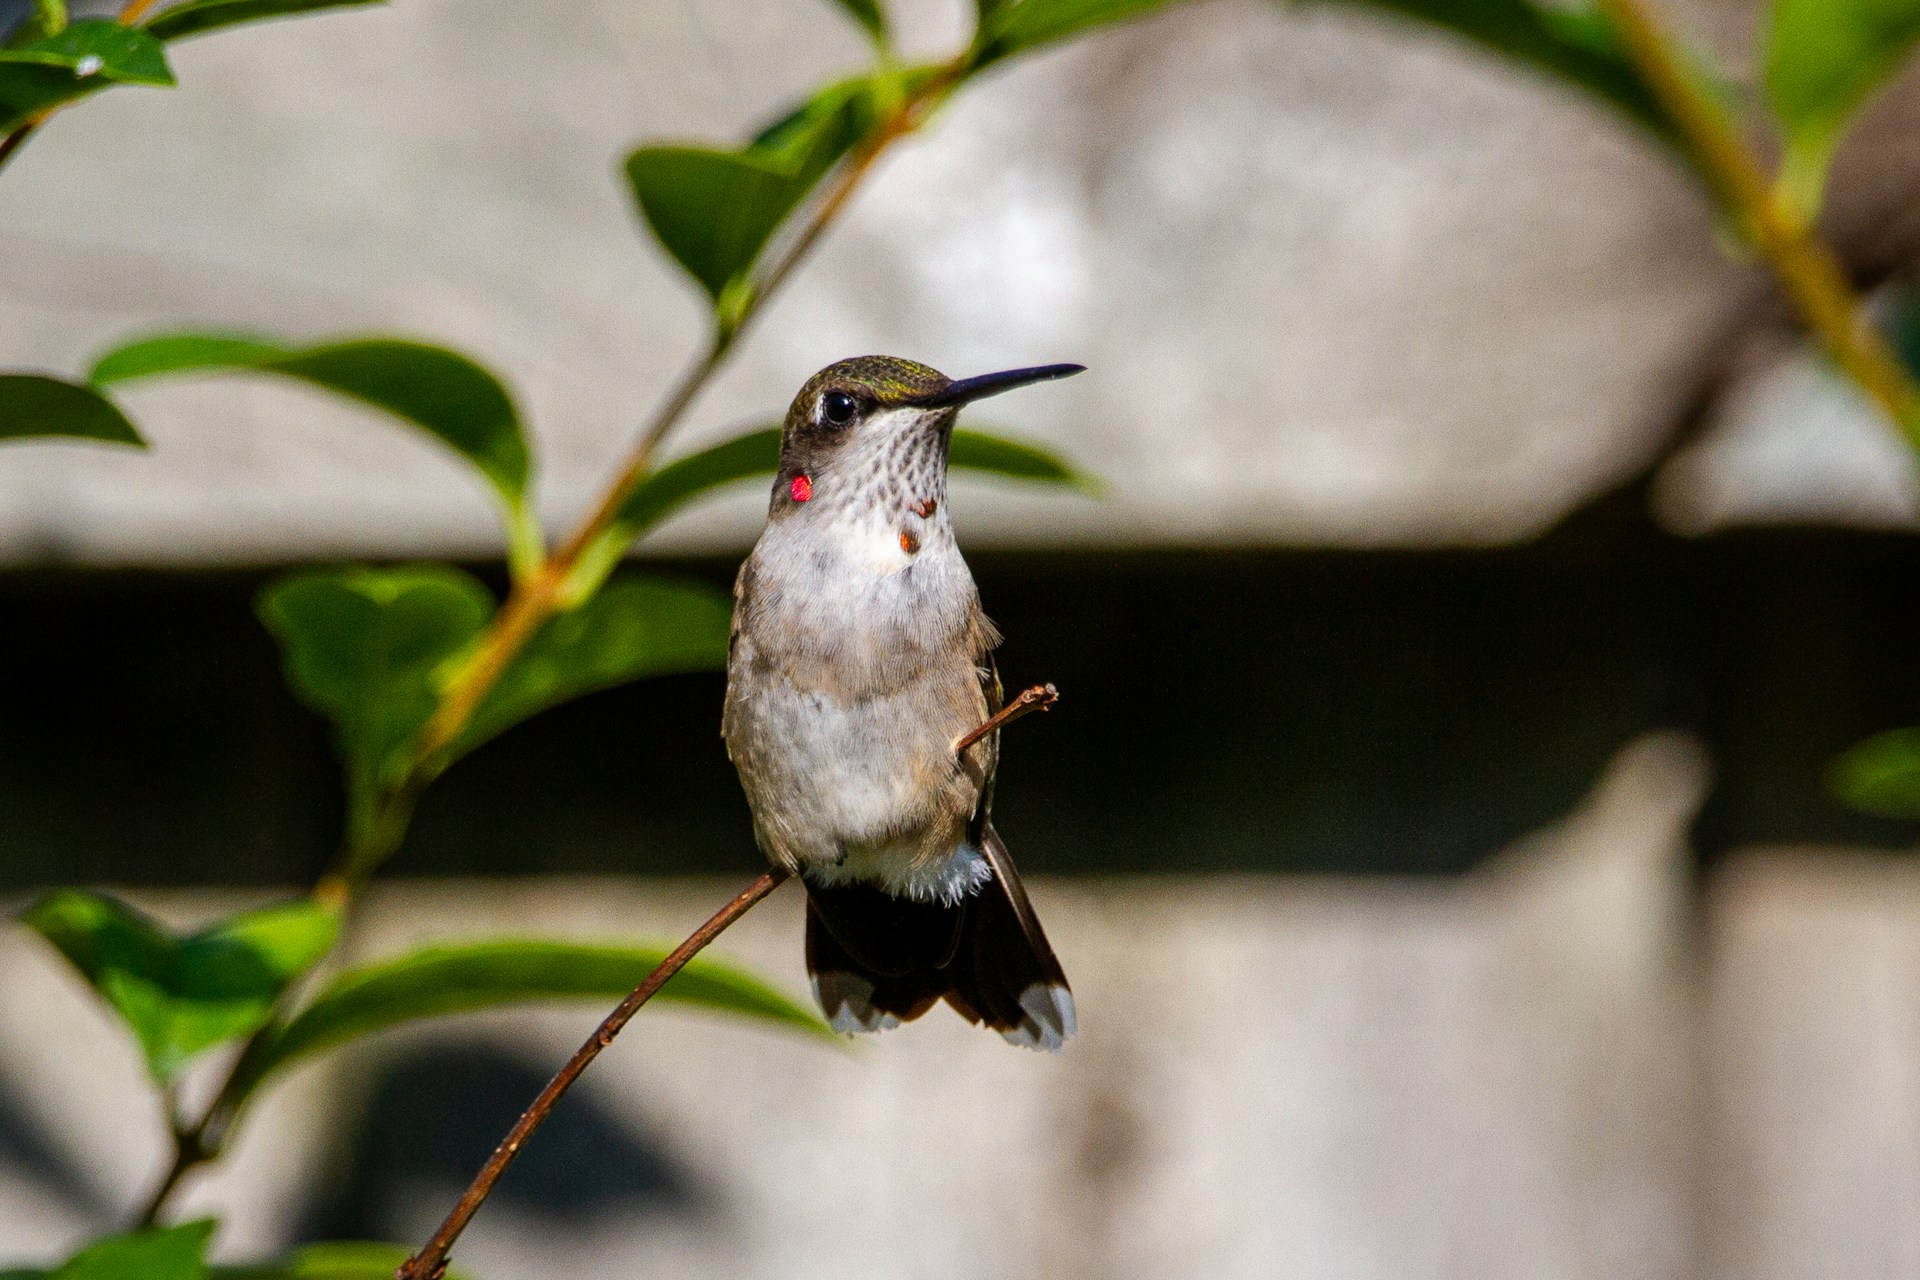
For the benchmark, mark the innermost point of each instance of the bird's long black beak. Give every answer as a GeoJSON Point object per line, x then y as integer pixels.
{"type": "Point", "coordinates": [992, 384]}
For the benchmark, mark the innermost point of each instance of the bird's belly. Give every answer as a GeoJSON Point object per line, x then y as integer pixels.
{"type": "Point", "coordinates": [861, 788]}
{"type": "Point", "coordinates": [850, 677]}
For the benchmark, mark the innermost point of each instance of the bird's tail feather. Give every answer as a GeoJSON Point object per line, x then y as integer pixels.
{"type": "Point", "coordinates": [878, 961]}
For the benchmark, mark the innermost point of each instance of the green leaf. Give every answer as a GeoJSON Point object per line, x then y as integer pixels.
{"type": "Point", "coordinates": [1575, 43]}
{"type": "Point", "coordinates": [679, 482]}
{"type": "Point", "coordinates": [1880, 775]}
{"type": "Point", "coordinates": [197, 17]}
{"type": "Point", "coordinates": [870, 15]}
{"type": "Point", "coordinates": [1016, 26]}
{"type": "Point", "coordinates": [757, 454]}
{"type": "Point", "coordinates": [714, 210]}
{"type": "Point", "coordinates": [100, 47]}
{"type": "Point", "coordinates": [1015, 460]}
{"type": "Point", "coordinates": [86, 57]}
{"type": "Point", "coordinates": [446, 394]}
{"type": "Point", "coordinates": [814, 134]}
{"type": "Point", "coordinates": [441, 392]}
{"type": "Point", "coordinates": [363, 646]}
{"type": "Point", "coordinates": [182, 995]}
{"type": "Point", "coordinates": [333, 1260]}
{"type": "Point", "coordinates": [157, 1253]}
{"type": "Point", "coordinates": [184, 353]}
{"type": "Point", "coordinates": [1824, 59]}
{"type": "Point", "coordinates": [633, 628]}
{"type": "Point", "coordinates": [32, 405]}
{"type": "Point", "coordinates": [468, 976]}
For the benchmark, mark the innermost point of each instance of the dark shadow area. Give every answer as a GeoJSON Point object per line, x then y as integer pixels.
{"type": "Point", "coordinates": [30, 1151]}
{"type": "Point", "coordinates": [432, 1117]}
{"type": "Point", "coordinates": [1282, 710]}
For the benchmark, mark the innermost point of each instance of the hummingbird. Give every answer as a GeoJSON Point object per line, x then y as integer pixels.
{"type": "Point", "coordinates": [858, 659]}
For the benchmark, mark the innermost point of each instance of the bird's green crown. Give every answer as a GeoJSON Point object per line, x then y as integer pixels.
{"type": "Point", "coordinates": [883, 381]}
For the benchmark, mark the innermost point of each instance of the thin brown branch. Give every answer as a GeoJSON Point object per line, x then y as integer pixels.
{"type": "Point", "coordinates": [1807, 269]}
{"type": "Point", "coordinates": [431, 1262]}
{"type": "Point", "coordinates": [15, 140]}
{"type": "Point", "coordinates": [1039, 698]}
{"type": "Point", "coordinates": [188, 1155]}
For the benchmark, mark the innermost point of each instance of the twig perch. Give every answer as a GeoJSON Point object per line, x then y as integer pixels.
{"type": "Point", "coordinates": [431, 1262]}
{"type": "Point", "coordinates": [1039, 698]}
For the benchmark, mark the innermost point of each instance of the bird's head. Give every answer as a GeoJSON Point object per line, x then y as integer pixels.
{"type": "Point", "coordinates": [878, 418]}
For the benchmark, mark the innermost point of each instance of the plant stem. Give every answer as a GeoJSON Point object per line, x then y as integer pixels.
{"type": "Point", "coordinates": [188, 1155]}
{"type": "Point", "coordinates": [15, 140]}
{"type": "Point", "coordinates": [51, 16]}
{"type": "Point", "coordinates": [431, 1262]}
{"type": "Point", "coordinates": [1040, 697]}
{"type": "Point", "coordinates": [1808, 270]}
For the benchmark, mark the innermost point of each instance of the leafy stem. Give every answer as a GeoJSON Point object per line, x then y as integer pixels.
{"type": "Point", "coordinates": [1806, 267]}
{"type": "Point", "coordinates": [188, 1154]}
{"type": "Point", "coordinates": [51, 15]}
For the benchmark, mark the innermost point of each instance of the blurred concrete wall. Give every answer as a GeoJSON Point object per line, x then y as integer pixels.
{"type": "Point", "coordinates": [1339, 279]}
{"type": "Point", "coordinates": [1531, 1072]}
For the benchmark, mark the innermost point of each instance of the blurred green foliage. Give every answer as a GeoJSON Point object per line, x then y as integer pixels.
{"type": "Point", "coordinates": [446, 395]}
{"type": "Point", "coordinates": [450, 978]}
{"type": "Point", "coordinates": [1574, 43]}
{"type": "Point", "coordinates": [33, 406]}
{"type": "Point", "coordinates": [179, 1253]}
{"type": "Point", "coordinates": [1881, 775]}
{"type": "Point", "coordinates": [1824, 59]}
{"type": "Point", "coordinates": [82, 59]}
{"type": "Point", "coordinates": [172, 1253]}
{"type": "Point", "coordinates": [636, 626]}
{"type": "Point", "coordinates": [362, 647]}
{"type": "Point", "coordinates": [181, 995]}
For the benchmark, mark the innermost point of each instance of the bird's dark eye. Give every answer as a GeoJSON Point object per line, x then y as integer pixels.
{"type": "Point", "coordinates": [837, 407]}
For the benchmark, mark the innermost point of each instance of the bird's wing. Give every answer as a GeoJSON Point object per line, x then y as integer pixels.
{"type": "Point", "coordinates": [995, 698]}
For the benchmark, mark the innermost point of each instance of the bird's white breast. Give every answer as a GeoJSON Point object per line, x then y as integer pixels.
{"type": "Point", "coordinates": [848, 689]}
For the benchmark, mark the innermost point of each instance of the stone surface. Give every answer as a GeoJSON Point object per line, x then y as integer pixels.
{"type": "Point", "coordinates": [1339, 279]}
{"type": "Point", "coordinates": [1813, 1065]}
